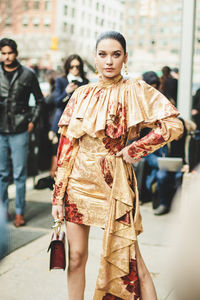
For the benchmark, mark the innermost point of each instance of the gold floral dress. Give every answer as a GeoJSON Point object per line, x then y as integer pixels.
{"type": "Point", "coordinates": [97, 187]}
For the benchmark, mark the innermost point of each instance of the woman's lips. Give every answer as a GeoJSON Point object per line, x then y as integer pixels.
{"type": "Point", "coordinates": [109, 69]}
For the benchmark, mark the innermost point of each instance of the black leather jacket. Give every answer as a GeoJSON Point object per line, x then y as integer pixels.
{"type": "Point", "coordinates": [15, 113]}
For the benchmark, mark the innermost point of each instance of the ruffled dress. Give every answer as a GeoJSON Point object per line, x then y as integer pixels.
{"type": "Point", "coordinates": [100, 189]}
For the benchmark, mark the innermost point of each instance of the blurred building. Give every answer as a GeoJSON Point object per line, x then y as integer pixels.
{"type": "Point", "coordinates": [153, 31]}
{"type": "Point", "coordinates": [47, 31]}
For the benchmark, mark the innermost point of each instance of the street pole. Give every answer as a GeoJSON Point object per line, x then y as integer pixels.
{"type": "Point", "coordinates": [186, 60]}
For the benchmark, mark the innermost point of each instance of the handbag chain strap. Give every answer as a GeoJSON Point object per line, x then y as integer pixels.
{"type": "Point", "coordinates": [57, 225]}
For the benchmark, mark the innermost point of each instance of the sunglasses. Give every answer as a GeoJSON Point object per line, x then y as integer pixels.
{"type": "Point", "coordinates": [75, 67]}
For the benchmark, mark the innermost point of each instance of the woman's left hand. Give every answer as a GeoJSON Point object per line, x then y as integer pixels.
{"type": "Point", "coordinates": [126, 157]}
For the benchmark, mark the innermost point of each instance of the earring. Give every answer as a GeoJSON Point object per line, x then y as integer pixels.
{"type": "Point", "coordinates": [126, 69]}
{"type": "Point", "coordinates": [96, 70]}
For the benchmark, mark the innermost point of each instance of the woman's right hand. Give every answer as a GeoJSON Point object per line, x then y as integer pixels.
{"type": "Point", "coordinates": [71, 87]}
{"type": "Point", "coordinates": [57, 212]}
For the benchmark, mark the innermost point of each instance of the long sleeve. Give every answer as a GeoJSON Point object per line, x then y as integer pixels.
{"type": "Point", "coordinates": [59, 92]}
{"type": "Point", "coordinates": [39, 99]}
{"type": "Point", "coordinates": [65, 158]}
{"type": "Point", "coordinates": [163, 132]}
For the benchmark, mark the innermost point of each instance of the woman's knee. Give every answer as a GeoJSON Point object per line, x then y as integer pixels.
{"type": "Point", "coordinates": [77, 259]}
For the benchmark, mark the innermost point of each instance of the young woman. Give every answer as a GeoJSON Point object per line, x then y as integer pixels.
{"type": "Point", "coordinates": [73, 78]}
{"type": "Point", "coordinates": [95, 180]}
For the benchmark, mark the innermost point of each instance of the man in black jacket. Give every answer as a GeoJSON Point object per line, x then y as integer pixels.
{"type": "Point", "coordinates": [17, 82]}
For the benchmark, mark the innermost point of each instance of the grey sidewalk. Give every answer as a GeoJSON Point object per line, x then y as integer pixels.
{"type": "Point", "coordinates": [24, 273]}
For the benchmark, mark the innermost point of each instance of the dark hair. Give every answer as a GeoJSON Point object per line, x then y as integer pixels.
{"type": "Point", "coordinates": [151, 77]}
{"type": "Point", "coordinates": [8, 42]}
{"type": "Point", "coordinates": [114, 35]}
{"type": "Point", "coordinates": [67, 65]}
{"type": "Point", "coordinates": [166, 71]}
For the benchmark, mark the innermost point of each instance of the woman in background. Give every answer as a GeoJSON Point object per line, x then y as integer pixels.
{"type": "Point", "coordinates": [65, 85]}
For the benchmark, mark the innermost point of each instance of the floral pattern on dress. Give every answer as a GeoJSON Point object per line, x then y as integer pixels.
{"type": "Point", "coordinates": [145, 145]}
{"type": "Point", "coordinates": [113, 145]}
{"type": "Point", "coordinates": [110, 297]}
{"type": "Point", "coordinates": [106, 172]}
{"type": "Point", "coordinates": [71, 212]}
{"type": "Point", "coordinates": [132, 280]}
{"type": "Point", "coordinates": [116, 128]}
{"type": "Point", "coordinates": [67, 113]}
{"type": "Point", "coordinates": [56, 193]}
{"type": "Point", "coordinates": [64, 150]}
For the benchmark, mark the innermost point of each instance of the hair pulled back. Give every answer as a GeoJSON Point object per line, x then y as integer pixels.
{"type": "Point", "coordinates": [114, 35]}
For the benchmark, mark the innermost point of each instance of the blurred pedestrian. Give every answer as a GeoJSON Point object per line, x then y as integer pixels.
{"type": "Point", "coordinates": [175, 73]}
{"type": "Point", "coordinates": [152, 79]}
{"type": "Point", "coordinates": [16, 122]}
{"type": "Point", "coordinates": [73, 78]}
{"type": "Point", "coordinates": [95, 179]}
{"type": "Point", "coordinates": [169, 85]}
{"type": "Point", "coordinates": [196, 108]}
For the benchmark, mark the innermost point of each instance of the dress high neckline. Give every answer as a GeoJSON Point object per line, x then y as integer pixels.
{"type": "Point", "coordinates": [109, 82]}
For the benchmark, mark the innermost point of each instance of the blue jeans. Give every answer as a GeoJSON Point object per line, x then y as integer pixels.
{"type": "Point", "coordinates": [16, 146]}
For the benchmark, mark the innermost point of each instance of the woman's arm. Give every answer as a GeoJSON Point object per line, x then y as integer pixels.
{"type": "Point", "coordinates": [64, 153]}
{"type": "Point", "coordinates": [59, 92]}
{"type": "Point", "coordinates": [164, 131]}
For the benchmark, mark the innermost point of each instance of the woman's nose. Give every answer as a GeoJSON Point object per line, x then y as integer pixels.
{"type": "Point", "coordinates": [109, 60]}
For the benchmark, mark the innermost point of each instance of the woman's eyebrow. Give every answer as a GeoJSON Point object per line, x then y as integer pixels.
{"type": "Point", "coordinates": [112, 51]}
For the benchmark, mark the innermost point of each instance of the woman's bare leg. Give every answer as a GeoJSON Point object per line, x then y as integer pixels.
{"type": "Point", "coordinates": [78, 252]}
{"type": "Point", "coordinates": [147, 288]}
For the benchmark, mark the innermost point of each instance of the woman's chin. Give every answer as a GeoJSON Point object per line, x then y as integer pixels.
{"type": "Point", "coordinates": [110, 74]}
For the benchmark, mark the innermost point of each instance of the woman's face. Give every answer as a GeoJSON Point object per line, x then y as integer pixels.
{"type": "Point", "coordinates": [74, 67]}
{"type": "Point", "coordinates": [109, 58]}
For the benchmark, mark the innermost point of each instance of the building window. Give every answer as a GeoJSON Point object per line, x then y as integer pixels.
{"type": "Point", "coordinates": [25, 21]}
{"type": "Point", "coordinates": [174, 51]}
{"type": "Point", "coordinates": [197, 51]}
{"type": "Point", "coordinates": [26, 5]}
{"type": "Point", "coordinates": [132, 11]}
{"type": "Point", "coordinates": [130, 21]}
{"type": "Point", "coordinates": [141, 44]}
{"type": "Point", "coordinates": [36, 4]}
{"type": "Point", "coordinates": [47, 22]}
{"type": "Point", "coordinates": [176, 18]}
{"type": "Point", "coordinates": [64, 26]}
{"type": "Point", "coordinates": [141, 31]}
{"type": "Point", "coordinates": [8, 21]}
{"type": "Point", "coordinates": [142, 20]}
{"type": "Point", "coordinates": [97, 6]}
{"type": "Point", "coordinates": [8, 4]}
{"type": "Point", "coordinates": [164, 19]}
{"type": "Point", "coordinates": [72, 29]}
{"type": "Point", "coordinates": [65, 10]}
{"type": "Point", "coordinates": [36, 21]}
{"type": "Point", "coordinates": [47, 5]}
{"type": "Point", "coordinates": [73, 12]}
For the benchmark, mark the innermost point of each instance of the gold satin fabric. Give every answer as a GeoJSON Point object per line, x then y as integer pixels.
{"type": "Point", "coordinates": [86, 186]}
{"type": "Point", "coordinates": [115, 110]}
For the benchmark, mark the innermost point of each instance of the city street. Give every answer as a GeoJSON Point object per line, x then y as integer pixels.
{"type": "Point", "coordinates": [24, 273]}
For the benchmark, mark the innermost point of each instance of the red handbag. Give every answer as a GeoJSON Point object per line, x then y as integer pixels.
{"type": "Point", "coordinates": [57, 247]}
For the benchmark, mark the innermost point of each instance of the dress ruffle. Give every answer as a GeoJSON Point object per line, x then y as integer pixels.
{"type": "Point", "coordinates": [94, 107]}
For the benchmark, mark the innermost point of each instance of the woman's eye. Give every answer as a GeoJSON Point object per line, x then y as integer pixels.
{"type": "Point", "coordinates": [117, 54]}
{"type": "Point", "coordinates": [101, 54]}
